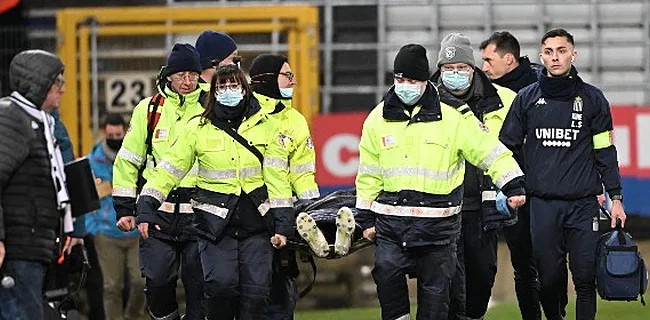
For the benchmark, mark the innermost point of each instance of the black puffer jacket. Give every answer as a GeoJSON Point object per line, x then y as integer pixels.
{"type": "Point", "coordinates": [29, 217]}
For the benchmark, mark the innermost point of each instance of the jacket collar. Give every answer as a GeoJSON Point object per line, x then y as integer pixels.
{"type": "Point", "coordinates": [179, 100]}
{"type": "Point", "coordinates": [561, 88]}
{"type": "Point", "coordinates": [271, 105]}
{"type": "Point", "coordinates": [521, 76]}
{"type": "Point", "coordinates": [395, 110]}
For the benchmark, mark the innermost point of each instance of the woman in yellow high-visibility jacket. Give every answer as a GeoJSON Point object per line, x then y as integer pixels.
{"type": "Point", "coordinates": [239, 202]}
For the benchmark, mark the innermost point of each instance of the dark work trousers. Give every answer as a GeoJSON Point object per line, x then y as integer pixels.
{"type": "Point", "coordinates": [237, 276]}
{"type": "Point", "coordinates": [94, 282]}
{"type": "Point", "coordinates": [521, 256]}
{"type": "Point", "coordinates": [434, 266]}
{"type": "Point", "coordinates": [284, 288]}
{"type": "Point", "coordinates": [458, 293]}
{"type": "Point", "coordinates": [480, 268]}
{"type": "Point", "coordinates": [559, 227]}
{"type": "Point", "coordinates": [160, 260]}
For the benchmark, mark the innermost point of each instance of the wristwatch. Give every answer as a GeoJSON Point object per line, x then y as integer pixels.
{"type": "Point", "coordinates": [616, 197]}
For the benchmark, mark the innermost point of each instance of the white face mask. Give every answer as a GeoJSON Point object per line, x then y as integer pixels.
{"type": "Point", "coordinates": [286, 92]}
{"type": "Point", "coordinates": [230, 98]}
{"type": "Point", "coordinates": [456, 80]}
{"type": "Point", "coordinates": [408, 93]}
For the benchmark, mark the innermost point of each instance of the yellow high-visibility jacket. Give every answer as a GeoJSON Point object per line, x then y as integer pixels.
{"type": "Point", "coordinates": [412, 167]}
{"type": "Point", "coordinates": [297, 138]}
{"type": "Point", "coordinates": [172, 116]}
{"type": "Point", "coordinates": [226, 169]}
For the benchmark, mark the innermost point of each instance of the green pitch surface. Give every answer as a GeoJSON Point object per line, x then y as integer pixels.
{"type": "Point", "coordinates": [606, 310]}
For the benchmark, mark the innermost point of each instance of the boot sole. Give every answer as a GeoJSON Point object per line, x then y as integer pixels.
{"type": "Point", "coordinates": [345, 225]}
{"type": "Point", "coordinates": [308, 230]}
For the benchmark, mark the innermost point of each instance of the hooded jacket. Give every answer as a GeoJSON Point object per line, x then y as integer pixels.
{"type": "Point", "coordinates": [29, 214]}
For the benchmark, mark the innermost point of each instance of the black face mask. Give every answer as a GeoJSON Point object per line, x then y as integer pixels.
{"type": "Point", "coordinates": [114, 144]}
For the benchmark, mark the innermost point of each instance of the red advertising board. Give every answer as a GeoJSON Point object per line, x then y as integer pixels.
{"type": "Point", "coordinates": [336, 138]}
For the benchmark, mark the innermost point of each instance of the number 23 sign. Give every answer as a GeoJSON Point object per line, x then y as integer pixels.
{"type": "Point", "coordinates": [125, 90]}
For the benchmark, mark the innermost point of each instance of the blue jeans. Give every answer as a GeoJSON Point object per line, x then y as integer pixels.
{"type": "Point", "coordinates": [25, 300]}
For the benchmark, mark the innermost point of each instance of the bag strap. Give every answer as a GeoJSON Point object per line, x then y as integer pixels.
{"type": "Point", "coordinates": [235, 135]}
{"type": "Point", "coordinates": [152, 108]}
{"type": "Point", "coordinates": [314, 269]}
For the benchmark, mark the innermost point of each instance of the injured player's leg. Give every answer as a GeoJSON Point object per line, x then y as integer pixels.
{"type": "Point", "coordinates": [345, 225]}
{"type": "Point", "coordinates": [312, 235]}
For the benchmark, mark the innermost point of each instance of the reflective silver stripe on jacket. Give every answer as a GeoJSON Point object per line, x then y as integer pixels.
{"type": "Point", "coordinates": [309, 194]}
{"type": "Point", "coordinates": [210, 208]}
{"type": "Point", "coordinates": [264, 208]}
{"type": "Point", "coordinates": [169, 207]}
{"type": "Point", "coordinates": [508, 176]}
{"type": "Point", "coordinates": [276, 162]}
{"type": "Point", "coordinates": [420, 172]}
{"type": "Point", "coordinates": [171, 316]}
{"type": "Point", "coordinates": [488, 161]}
{"type": "Point", "coordinates": [194, 171]}
{"type": "Point", "coordinates": [178, 173]}
{"type": "Point", "coordinates": [249, 172]}
{"type": "Point", "coordinates": [281, 203]}
{"type": "Point", "coordinates": [489, 195]}
{"type": "Point", "coordinates": [153, 193]}
{"type": "Point", "coordinates": [303, 168]}
{"type": "Point", "coordinates": [421, 212]}
{"type": "Point", "coordinates": [130, 156]}
{"type": "Point", "coordinates": [363, 204]}
{"type": "Point", "coordinates": [123, 192]}
{"type": "Point", "coordinates": [368, 169]}
{"type": "Point", "coordinates": [217, 174]}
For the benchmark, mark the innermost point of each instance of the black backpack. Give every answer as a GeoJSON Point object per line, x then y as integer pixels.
{"type": "Point", "coordinates": [621, 274]}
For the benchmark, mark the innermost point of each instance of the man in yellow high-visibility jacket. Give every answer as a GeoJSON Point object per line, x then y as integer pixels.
{"type": "Point", "coordinates": [168, 232]}
{"type": "Point", "coordinates": [409, 185]}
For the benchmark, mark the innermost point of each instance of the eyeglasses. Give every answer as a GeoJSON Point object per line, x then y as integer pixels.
{"type": "Point", "coordinates": [221, 88]}
{"type": "Point", "coordinates": [462, 68]}
{"type": "Point", "coordinates": [59, 82]}
{"type": "Point", "coordinates": [191, 76]}
{"type": "Point", "coordinates": [290, 75]}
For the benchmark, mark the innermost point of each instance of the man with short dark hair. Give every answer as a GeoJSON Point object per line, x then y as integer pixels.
{"type": "Point", "coordinates": [566, 125]}
{"type": "Point", "coordinates": [502, 64]}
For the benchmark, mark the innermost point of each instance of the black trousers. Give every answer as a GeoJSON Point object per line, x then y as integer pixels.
{"type": "Point", "coordinates": [476, 273]}
{"type": "Point", "coordinates": [284, 287]}
{"type": "Point", "coordinates": [94, 282]}
{"type": "Point", "coordinates": [558, 228]}
{"type": "Point", "coordinates": [160, 260]}
{"type": "Point", "coordinates": [523, 262]}
{"type": "Point", "coordinates": [477, 267]}
{"type": "Point", "coordinates": [237, 276]}
{"type": "Point", "coordinates": [433, 265]}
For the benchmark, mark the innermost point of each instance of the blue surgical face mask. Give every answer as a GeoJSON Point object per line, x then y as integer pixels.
{"type": "Point", "coordinates": [455, 80]}
{"type": "Point", "coordinates": [286, 92]}
{"type": "Point", "coordinates": [409, 93]}
{"type": "Point", "coordinates": [230, 98]}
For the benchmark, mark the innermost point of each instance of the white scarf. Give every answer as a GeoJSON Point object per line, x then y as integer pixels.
{"type": "Point", "coordinates": [57, 169]}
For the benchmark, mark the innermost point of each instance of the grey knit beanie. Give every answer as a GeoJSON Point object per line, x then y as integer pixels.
{"type": "Point", "coordinates": [456, 48]}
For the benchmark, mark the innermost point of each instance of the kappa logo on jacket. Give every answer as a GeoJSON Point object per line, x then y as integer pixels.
{"type": "Point", "coordinates": [540, 102]}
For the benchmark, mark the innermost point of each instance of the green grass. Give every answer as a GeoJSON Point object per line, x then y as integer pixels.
{"type": "Point", "coordinates": [606, 311]}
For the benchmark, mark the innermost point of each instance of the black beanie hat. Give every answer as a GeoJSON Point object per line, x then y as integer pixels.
{"type": "Point", "coordinates": [411, 62]}
{"type": "Point", "coordinates": [264, 73]}
{"type": "Point", "coordinates": [183, 58]}
{"type": "Point", "coordinates": [213, 45]}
